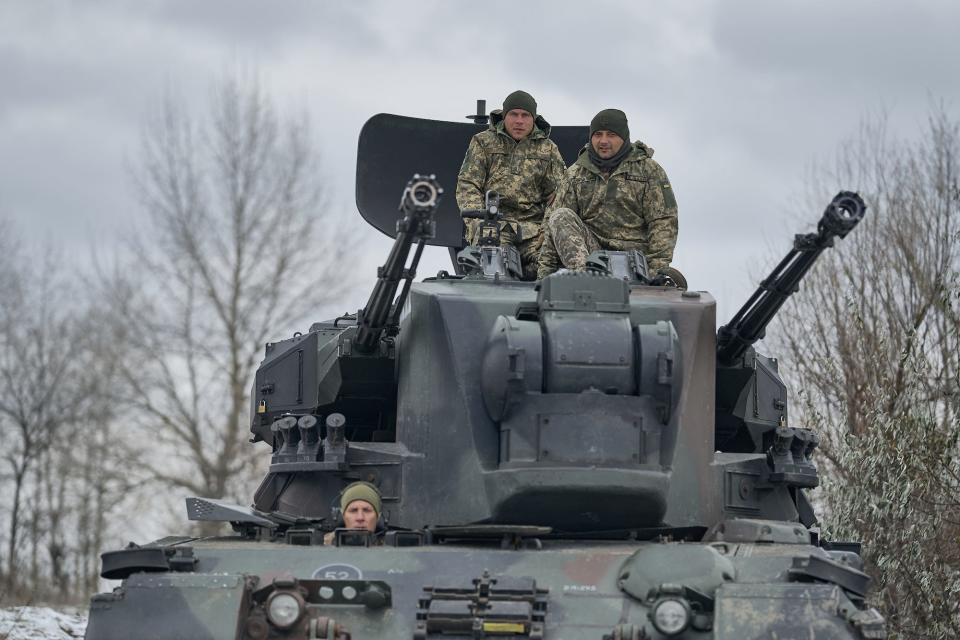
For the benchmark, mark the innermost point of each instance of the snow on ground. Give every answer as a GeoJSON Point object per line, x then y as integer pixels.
{"type": "Point", "coordinates": [41, 623]}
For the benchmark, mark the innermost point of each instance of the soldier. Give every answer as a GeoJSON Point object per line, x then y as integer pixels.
{"type": "Point", "coordinates": [516, 158]}
{"type": "Point", "coordinates": [615, 196]}
{"type": "Point", "coordinates": [360, 508]}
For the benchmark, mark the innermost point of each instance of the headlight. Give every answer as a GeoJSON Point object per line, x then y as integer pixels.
{"type": "Point", "coordinates": [670, 616]}
{"type": "Point", "coordinates": [284, 609]}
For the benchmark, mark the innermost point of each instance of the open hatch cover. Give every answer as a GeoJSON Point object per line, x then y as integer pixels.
{"type": "Point", "coordinates": [392, 148]}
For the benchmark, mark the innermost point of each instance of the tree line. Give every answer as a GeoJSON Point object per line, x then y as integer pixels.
{"type": "Point", "coordinates": [872, 350]}
{"type": "Point", "coordinates": [126, 387]}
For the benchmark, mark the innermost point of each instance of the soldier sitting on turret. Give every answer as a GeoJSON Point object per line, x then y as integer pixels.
{"type": "Point", "coordinates": [516, 158]}
{"type": "Point", "coordinates": [615, 197]}
{"type": "Point", "coordinates": [360, 508]}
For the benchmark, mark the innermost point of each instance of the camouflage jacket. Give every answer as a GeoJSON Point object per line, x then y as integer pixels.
{"type": "Point", "coordinates": [633, 208]}
{"type": "Point", "coordinates": [524, 173]}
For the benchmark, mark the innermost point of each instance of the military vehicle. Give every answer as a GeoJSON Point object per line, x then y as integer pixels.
{"type": "Point", "coordinates": [581, 457]}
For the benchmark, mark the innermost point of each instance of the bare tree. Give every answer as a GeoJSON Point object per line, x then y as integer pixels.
{"type": "Point", "coordinates": [873, 346]}
{"type": "Point", "coordinates": [43, 392]}
{"type": "Point", "coordinates": [52, 381]}
{"type": "Point", "coordinates": [231, 256]}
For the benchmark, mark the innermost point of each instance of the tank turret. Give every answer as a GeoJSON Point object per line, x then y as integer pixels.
{"type": "Point", "coordinates": [585, 456]}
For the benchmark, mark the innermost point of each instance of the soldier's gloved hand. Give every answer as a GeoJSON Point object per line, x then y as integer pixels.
{"type": "Point", "coordinates": [669, 277]}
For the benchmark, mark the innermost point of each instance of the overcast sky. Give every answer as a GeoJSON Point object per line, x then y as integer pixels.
{"type": "Point", "coordinates": [738, 98]}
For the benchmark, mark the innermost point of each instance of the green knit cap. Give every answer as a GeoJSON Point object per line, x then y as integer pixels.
{"type": "Point", "coordinates": [360, 491]}
{"type": "Point", "coordinates": [520, 100]}
{"type": "Point", "coordinates": [611, 120]}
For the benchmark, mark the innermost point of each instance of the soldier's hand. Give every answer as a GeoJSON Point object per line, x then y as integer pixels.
{"type": "Point", "coordinates": [669, 277]}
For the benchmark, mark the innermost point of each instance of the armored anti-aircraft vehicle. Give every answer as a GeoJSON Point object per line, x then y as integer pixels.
{"type": "Point", "coordinates": [580, 457]}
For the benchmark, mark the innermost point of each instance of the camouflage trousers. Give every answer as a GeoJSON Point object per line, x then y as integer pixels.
{"type": "Point", "coordinates": [528, 246]}
{"type": "Point", "coordinates": [567, 242]}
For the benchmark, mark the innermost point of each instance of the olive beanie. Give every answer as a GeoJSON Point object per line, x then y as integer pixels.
{"type": "Point", "coordinates": [361, 491]}
{"type": "Point", "coordinates": [520, 100]}
{"type": "Point", "coordinates": [611, 120]}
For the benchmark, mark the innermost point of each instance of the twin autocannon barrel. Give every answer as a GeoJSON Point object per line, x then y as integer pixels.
{"type": "Point", "coordinates": [750, 322]}
{"type": "Point", "coordinates": [418, 204]}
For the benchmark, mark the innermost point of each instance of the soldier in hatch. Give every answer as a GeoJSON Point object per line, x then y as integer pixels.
{"type": "Point", "coordinates": [360, 508]}
{"type": "Point", "coordinates": [615, 196]}
{"type": "Point", "coordinates": [516, 158]}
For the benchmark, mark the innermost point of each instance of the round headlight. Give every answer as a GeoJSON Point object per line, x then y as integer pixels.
{"type": "Point", "coordinates": [284, 609]}
{"type": "Point", "coordinates": [670, 616]}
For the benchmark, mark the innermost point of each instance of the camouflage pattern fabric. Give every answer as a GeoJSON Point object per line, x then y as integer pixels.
{"type": "Point", "coordinates": [527, 245]}
{"type": "Point", "coordinates": [632, 208]}
{"type": "Point", "coordinates": [525, 174]}
{"type": "Point", "coordinates": [571, 241]}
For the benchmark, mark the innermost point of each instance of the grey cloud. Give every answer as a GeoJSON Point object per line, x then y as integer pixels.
{"type": "Point", "coordinates": [260, 24]}
{"type": "Point", "coordinates": [737, 97]}
{"type": "Point", "coordinates": [906, 46]}
{"type": "Point", "coordinates": [69, 179]}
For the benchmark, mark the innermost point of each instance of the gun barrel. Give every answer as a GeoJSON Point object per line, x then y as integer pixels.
{"type": "Point", "coordinates": [419, 202]}
{"type": "Point", "coordinates": [750, 322]}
